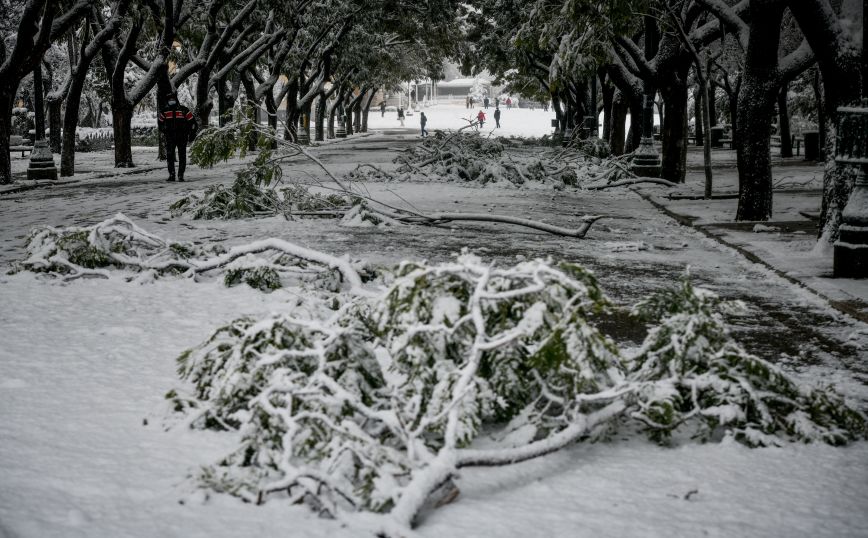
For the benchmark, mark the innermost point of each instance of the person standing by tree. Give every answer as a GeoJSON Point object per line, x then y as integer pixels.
{"type": "Point", "coordinates": [179, 126]}
{"type": "Point", "coordinates": [383, 108]}
{"type": "Point", "coordinates": [401, 115]}
{"type": "Point", "coordinates": [496, 117]}
{"type": "Point", "coordinates": [481, 119]}
{"type": "Point", "coordinates": [423, 120]}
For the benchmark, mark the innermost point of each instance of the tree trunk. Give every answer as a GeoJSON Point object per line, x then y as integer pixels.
{"type": "Point", "coordinates": [224, 104]}
{"type": "Point", "coordinates": [70, 118]}
{"type": "Point", "coordinates": [698, 116]}
{"type": "Point", "coordinates": [756, 108]}
{"type": "Point", "coordinates": [122, 119]}
{"type": "Point", "coordinates": [559, 114]}
{"type": "Point", "coordinates": [608, 92]}
{"type": "Point", "coordinates": [367, 109]}
{"type": "Point", "coordinates": [38, 103]}
{"type": "Point", "coordinates": [819, 99]}
{"type": "Point", "coordinates": [634, 137]}
{"type": "Point", "coordinates": [784, 124]}
{"type": "Point", "coordinates": [840, 65]}
{"type": "Point", "coordinates": [712, 103]}
{"type": "Point", "coordinates": [7, 94]}
{"type": "Point", "coordinates": [674, 133]}
{"type": "Point", "coordinates": [203, 97]}
{"type": "Point", "coordinates": [319, 125]}
{"type": "Point", "coordinates": [55, 124]}
{"type": "Point", "coordinates": [620, 106]}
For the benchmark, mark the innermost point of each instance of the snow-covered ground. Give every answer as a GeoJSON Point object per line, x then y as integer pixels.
{"type": "Point", "coordinates": [514, 122]}
{"type": "Point", "coordinates": [84, 367]}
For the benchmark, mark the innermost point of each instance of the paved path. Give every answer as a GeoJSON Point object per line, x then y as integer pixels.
{"type": "Point", "coordinates": [634, 251]}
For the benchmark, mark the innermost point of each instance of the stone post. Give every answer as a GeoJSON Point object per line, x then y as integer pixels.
{"type": "Point", "coordinates": [41, 159]}
{"type": "Point", "coordinates": [851, 148]}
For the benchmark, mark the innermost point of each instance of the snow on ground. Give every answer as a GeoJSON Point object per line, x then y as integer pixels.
{"type": "Point", "coordinates": [514, 122]}
{"type": "Point", "coordinates": [84, 364]}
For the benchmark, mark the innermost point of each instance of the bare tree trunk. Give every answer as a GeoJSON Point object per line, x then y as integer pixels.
{"type": "Point", "coordinates": [122, 119]}
{"type": "Point", "coordinates": [38, 103]}
{"type": "Point", "coordinates": [674, 133]}
{"type": "Point", "coordinates": [319, 122]}
{"type": "Point", "coordinates": [756, 110]}
{"type": "Point", "coordinates": [698, 116]}
{"type": "Point", "coordinates": [634, 137]}
{"type": "Point", "coordinates": [367, 109]}
{"type": "Point", "coordinates": [620, 106]}
{"type": "Point", "coordinates": [784, 123]}
{"type": "Point", "coordinates": [7, 94]}
{"type": "Point", "coordinates": [712, 103]}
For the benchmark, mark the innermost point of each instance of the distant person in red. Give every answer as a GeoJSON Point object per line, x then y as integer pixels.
{"type": "Point", "coordinates": [481, 118]}
{"type": "Point", "coordinates": [508, 103]}
{"type": "Point", "coordinates": [179, 126]}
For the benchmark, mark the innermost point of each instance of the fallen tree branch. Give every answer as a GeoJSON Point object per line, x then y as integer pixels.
{"type": "Point", "coordinates": [341, 265]}
{"type": "Point", "coordinates": [634, 181]}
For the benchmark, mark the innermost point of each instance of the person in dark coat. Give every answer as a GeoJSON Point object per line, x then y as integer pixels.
{"type": "Point", "coordinates": [179, 126]}
{"type": "Point", "coordinates": [485, 101]}
{"type": "Point", "coordinates": [497, 117]}
{"type": "Point", "coordinates": [382, 109]}
{"type": "Point", "coordinates": [423, 120]}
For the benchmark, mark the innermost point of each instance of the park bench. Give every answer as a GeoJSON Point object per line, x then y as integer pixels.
{"type": "Point", "coordinates": [16, 143]}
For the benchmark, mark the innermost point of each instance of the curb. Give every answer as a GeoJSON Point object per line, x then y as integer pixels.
{"type": "Point", "coordinates": [14, 189]}
{"type": "Point", "coordinates": [840, 306]}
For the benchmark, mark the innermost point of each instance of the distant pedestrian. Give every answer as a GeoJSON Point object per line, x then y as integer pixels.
{"type": "Point", "coordinates": [382, 109]}
{"type": "Point", "coordinates": [481, 119]}
{"type": "Point", "coordinates": [497, 118]}
{"type": "Point", "coordinates": [509, 103]}
{"type": "Point", "coordinates": [423, 120]}
{"type": "Point", "coordinates": [467, 102]}
{"type": "Point", "coordinates": [401, 115]}
{"type": "Point", "coordinates": [485, 101]}
{"type": "Point", "coordinates": [178, 125]}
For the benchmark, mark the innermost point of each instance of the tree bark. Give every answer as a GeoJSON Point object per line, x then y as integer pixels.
{"type": "Point", "coordinates": [319, 121]}
{"type": "Point", "coordinates": [841, 65]}
{"type": "Point", "coordinates": [712, 103]}
{"type": "Point", "coordinates": [55, 122]}
{"type": "Point", "coordinates": [608, 92]}
{"type": "Point", "coordinates": [698, 115]}
{"type": "Point", "coordinates": [7, 94]}
{"type": "Point", "coordinates": [674, 132]}
{"type": "Point", "coordinates": [617, 126]}
{"type": "Point", "coordinates": [122, 119]}
{"type": "Point", "coordinates": [784, 124]}
{"type": "Point", "coordinates": [634, 137]}
{"type": "Point", "coordinates": [755, 111]}
{"type": "Point", "coordinates": [70, 118]}
{"type": "Point", "coordinates": [38, 103]}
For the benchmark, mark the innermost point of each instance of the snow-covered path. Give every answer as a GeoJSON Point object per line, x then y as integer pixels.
{"type": "Point", "coordinates": [82, 365]}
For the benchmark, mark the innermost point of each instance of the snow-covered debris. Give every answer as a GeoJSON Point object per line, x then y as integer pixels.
{"type": "Point", "coordinates": [119, 244]}
{"type": "Point", "coordinates": [375, 406]}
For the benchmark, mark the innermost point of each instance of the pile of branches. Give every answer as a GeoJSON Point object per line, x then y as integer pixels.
{"type": "Point", "coordinates": [246, 198]}
{"type": "Point", "coordinates": [470, 157]}
{"type": "Point", "coordinates": [377, 407]}
{"type": "Point", "coordinates": [118, 244]}
{"type": "Point", "coordinates": [252, 195]}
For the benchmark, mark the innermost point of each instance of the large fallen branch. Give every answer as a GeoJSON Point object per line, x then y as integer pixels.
{"type": "Point", "coordinates": [378, 406]}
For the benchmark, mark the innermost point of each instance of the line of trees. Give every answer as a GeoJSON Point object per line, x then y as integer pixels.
{"type": "Point", "coordinates": [752, 50]}
{"type": "Point", "coordinates": [328, 56]}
